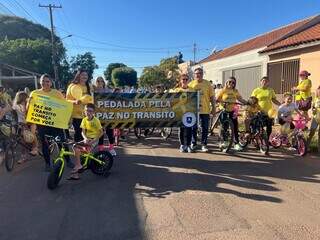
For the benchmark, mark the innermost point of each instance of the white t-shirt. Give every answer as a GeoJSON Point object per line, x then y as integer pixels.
{"type": "Point", "coordinates": [285, 111]}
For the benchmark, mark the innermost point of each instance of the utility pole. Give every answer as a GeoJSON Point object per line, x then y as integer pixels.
{"type": "Point", "coordinates": [53, 46]}
{"type": "Point", "coordinates": [194, 52]}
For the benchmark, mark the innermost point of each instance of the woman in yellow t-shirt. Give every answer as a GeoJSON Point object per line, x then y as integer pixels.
{"type": "Point", "coordinates": [266, 96]}
{"type": "Point", "coordinates": [228, 97]}
{"type": "Point", "coordinates": [185, 133]}
{"type": "Point", "coordinates": [303, 97]}
{"type": "Point", "coordinates": [78, 93]}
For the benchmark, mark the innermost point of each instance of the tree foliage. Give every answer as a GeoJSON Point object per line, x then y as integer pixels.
{"type": "Point", "coordinates": [108, 72]}
{"type": "Point", "coordinates": [84, 61]}
{"type": "Point", "coordinates": [33, 55]}
{"type": "Point", "coordinates": [124, 76]}
{"type": "Point", "coordinates": [12, 27]}
{"type": "Point", "coordinates": [166, 74]}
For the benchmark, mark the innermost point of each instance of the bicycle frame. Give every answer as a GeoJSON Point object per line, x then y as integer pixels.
{"type": "Point", "coordinates": [87, 157]}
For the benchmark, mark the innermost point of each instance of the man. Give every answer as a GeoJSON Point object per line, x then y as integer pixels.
{"type": "Point", "coordinates": [206, 97]}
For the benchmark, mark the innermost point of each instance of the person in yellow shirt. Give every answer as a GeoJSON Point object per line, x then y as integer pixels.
{"type": "Point", "coordinates": [185, 133]}
{"type": "Point", "coordinates": [315, 119]}
{"type": "Point", "coordinates": [228, 97]}
{"type": "Point", "coordinates": [91, 132]}
{"type": "Point", "coordinates": [206, 98]}
{"type": "Point", "coordinates": [47, 90]}
{"type": "Point", "coordinates": [303, 96]}
{"type": "Point", "coordinates": [78, 93]}
{"type": "Point", "coordinates": [266, 96]}
{"type": "Point", "coordinates": [250, 111]}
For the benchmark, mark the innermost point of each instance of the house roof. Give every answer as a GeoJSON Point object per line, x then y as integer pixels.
{"type": "Point", "coordinates": [257, 42]}
{"type": "Point", "coordinates": [308, 35]}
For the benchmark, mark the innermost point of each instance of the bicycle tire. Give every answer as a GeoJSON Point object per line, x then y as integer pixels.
{"type": "Point", "coordinates": [263, 143]}
{"type": "Point", "coordinates": [9, 157]}
{"type": "Point", "coordinates": [99, 169]}
{"type": "Point", "coordinates": [275, 140]}
{"type": "Point", "coordinates": [229, 135]}
{"type": "Point", "coordinates": [54, 178]}
{"type": "Point", "coordinates": [301, 146]}
{"type": "Point", "coordinates": [243, 141]}
{"type": "Point", "coordinates": [166, 134]}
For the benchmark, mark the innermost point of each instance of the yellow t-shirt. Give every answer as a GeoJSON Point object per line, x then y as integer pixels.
{"type": "Point", "coordinates": [180, 89]}
{"type": "Point", "coordinates": [77, 92]}
{"type": "Point", "coordinates": [52, 93]}
{"type": "Point", "coordinates": [230, 96]}
{"type": "Point", "coordinates": [206, 93]}
{"type": "Point", "coordinates": [265, 96]}
{"type": "Point", "coordinates": [304, 88]}
{"type": "Point", "coordinates": [92, 127]}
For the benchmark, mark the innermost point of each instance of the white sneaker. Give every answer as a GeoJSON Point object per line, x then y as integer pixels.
{"type": "Point", "coordinates": [183, 149]}
{"type": "Point", "coordinates": [113, 152]}
{"type": "Point", "coordinates": [204, 148]}
{"type": "Point", "coordinates": [223, 145]}
{"type": "Point", "coordinates": [237, 147]}
{"type": "Point", "coordinates": [190, 150]}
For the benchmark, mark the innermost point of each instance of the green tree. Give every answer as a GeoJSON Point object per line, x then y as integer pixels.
{"type": "Point", "coordinates": [107, 73]}
{"type": "Point", "coordinates": [65, 73]}
{"type": "Point", "coordinates": [152, 76]}
{"type": "Point", "coordinates": [84, 61]}
{"type": "Point", "coordinates": [33, 55]}
{"type": "Point", "coordinates": [124, 76]}
{"type": "Point", "coordinates": [12, 28]}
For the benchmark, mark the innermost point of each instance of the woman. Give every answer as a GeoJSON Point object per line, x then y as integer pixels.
{"type": "Point", "coordinates": [46, 89]}
{"type": "Point", "coordinates": [100, 87]}
{"type": "Point", "coordinates": [303, 97]}
{"type": "Point", "coordinates": [185, 133]}
{"type": "Point", "coordinates": [266, 96]}
{"type": "Point", "coordinates": [78, 93]}
{"type": "Point", "coordinates": [229, 94]}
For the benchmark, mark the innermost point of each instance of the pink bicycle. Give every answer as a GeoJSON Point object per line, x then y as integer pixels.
{"type": "Point", "coordinates": [298, 140]}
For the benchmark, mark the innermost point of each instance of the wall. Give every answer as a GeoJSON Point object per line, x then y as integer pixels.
{"type": "Point", "coordinates": [213, 70]}
{"type": "Point", "coordinates": [309, 60]}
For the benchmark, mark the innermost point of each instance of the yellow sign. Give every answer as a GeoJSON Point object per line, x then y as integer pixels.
{"type": "Point", "coordinates": [141, 110]}
{"type": "Point", "coordinates": [49, 111]}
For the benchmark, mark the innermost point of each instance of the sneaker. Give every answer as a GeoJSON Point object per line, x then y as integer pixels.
{"type": "Point", "coordinates": [194, 146]}
{"type": "Point", "coordinates": [237, 147]}
{"type": "Point", "coordinates": [190, 150]}
{"type": "Point", "coordinates": [204, 148]}
{"type": "Point", "coordinates": [292, 149]}
{"type": "Point", "coordinates": [47, 168]}
{"type": "Point", "coordinates": [113, 152]}
{"type": "Point", "coordinates": [223, 145]}
{"type": "Point", "coordinates": [182, 149]}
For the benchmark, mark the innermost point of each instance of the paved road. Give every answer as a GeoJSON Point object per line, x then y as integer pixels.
{"type": "Point", "coordinates": [154, 192]}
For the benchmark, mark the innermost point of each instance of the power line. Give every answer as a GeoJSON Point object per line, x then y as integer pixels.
{"type": "Point", "coordinates": [35, 20]}
{"type": "Point", "coordinates": [7, 9]}
{"type": "Point", "coordinates": [126, 47]}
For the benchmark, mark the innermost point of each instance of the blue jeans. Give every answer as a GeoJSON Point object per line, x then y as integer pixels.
{"type": "Point", "coordinates": [204, 121]}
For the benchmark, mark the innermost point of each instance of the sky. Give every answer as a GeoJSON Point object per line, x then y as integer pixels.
{"type": "Point", "coordinates": [140, 33]}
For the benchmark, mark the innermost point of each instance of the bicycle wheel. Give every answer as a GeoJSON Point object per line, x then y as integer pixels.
{"type": "Point", "coordinates": [55, 174]}
{"type": "Point", "coordinates": [243, 140]}
{"type": "Point", "coordinates": [101, 169]}
{"type": "Point", "coordinates": [301, 146]}
{"type": "Point", "coordinates": [9, 156]}
{"type": "Point", "coordinates": [226, 135]}
{"type": "Point", "coordinates": [166, 133]}
{"type": "Point", "coordinates": [275, 140]}
{"type": "Point", "coordinates": [263, 142]}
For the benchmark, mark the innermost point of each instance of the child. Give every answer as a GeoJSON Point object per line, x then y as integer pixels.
{"type": "Point", "coordinates": [286, 110]}
{"type": "Point", "coordinates": [251, 110]}
{"type": "Point", "coordinates": [315, 119]}
{"type": "Point", "coordinates": [28, 131]}
{"type": "Point", "coordinates": [91, 132]}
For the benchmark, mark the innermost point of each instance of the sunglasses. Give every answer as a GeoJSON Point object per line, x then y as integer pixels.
{"type": "Point", "coordinates": [233, 83]}
{"type": "Point", "coordinates": [185, 79]}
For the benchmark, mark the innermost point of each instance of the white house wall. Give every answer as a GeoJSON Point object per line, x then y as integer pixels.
{"type": "Point", "coordinates": [213, 70]}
